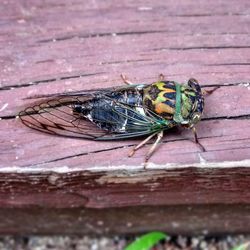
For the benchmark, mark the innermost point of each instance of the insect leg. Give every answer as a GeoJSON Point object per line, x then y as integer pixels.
{"type": "Point", "coordinates": [161, 77]}
{"type": "Point", "coordinates": [209, 92]}
{"type": "Point", "coordinates": [125, 80]}
{"type": "Point", "coordinates": [152, 149]}
{"type": "Point", "coordinates": [196, 139]}
{"type": "Point", "coordinates": [141, 144]}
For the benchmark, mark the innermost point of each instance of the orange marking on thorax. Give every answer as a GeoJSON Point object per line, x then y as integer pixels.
{"type": "Point", "coordinates": [163, 108]}
{"type": "Point", "coordinates": [167, 90]}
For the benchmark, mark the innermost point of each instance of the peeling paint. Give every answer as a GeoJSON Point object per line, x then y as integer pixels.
{"type": "Point", "coordinates": [202, 160]}
{"type": "Point", "coordinates": [119, 177]}
{"type": "Point", "coordinates": [247, 85]}
{"type": "Point", "coordinates": [126, 170]}
{"type": "Point", "coordinates": [4, 107]}
{"type": "Point", "coordinates": [52, 179]}
{"type": "Point", "coordinates": [171, 166]}
{"type": "Point", "coordinates": [144, 8]}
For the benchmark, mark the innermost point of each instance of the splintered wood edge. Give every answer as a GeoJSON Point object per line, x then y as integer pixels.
{"type": "Point", "coordinates": [128, 168]}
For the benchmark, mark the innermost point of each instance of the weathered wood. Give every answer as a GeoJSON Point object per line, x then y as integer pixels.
{"type": "Point", "coordinates": [57, 185]}
{"type": "Point", "coordinates": [182, 219]}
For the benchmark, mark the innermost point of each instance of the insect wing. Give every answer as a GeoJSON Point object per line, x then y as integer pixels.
{"type": "Point", "coordinates": [55, 116]}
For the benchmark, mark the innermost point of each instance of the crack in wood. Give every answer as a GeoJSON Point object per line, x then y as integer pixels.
{"type": "Point", "coordinates": [125, 33]}
{"type": "Point", "coordinates": [53, 79]}
{"type": "Point", "coordinates": [9, 117]}
{"type": "Point", "coordinates": [225, 84]}
{"type": "Point", "coordinates": [237, 117]}
{"type": "Point", "coordinates": [227, 149]}
{"type": "Point", "coordinates": [126, 61]}
{"type": "Point", "coordinates": [143, 32]}
{"type": "Point", "coordinates": [77, 155]}
{"type": "Point", "coordinates": [208, 14]}
{"type": "Point", "coordinates": [227, 64]}
{"type": "Point", "coordinates": [201, 48]}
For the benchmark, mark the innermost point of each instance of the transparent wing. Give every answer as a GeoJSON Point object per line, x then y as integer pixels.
{"type": "Point", "coordinates": [55, 116]}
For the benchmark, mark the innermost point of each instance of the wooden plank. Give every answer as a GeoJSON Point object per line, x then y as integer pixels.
{"type": "Point", "coordinates": [216, 136]}
{"type": "Point", "coordinates": [54, 47]}
{"type": "Point", "coordinates": [182, 219]}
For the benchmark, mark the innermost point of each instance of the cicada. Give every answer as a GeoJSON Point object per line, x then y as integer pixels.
{"type": "Point", "coordinates": [132, 110]}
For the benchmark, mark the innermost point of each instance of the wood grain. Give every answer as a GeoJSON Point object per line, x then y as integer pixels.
{"type": "Point", "coordinates": [60, 46]}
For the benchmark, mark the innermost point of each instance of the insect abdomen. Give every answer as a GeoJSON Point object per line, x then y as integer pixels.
{"type": "Point", "coordinates": [105, 112]}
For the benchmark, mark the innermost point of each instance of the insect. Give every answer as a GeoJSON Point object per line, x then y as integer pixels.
{"type": "Point", "coordinates": [132, 110]}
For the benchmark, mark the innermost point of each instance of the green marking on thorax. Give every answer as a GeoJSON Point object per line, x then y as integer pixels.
{"type": "Point", "coordinates": [160, 98]}
{"type": "Point", "coordinates": [178, 116]}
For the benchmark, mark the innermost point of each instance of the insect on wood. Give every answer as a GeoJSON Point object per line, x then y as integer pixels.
{"type": "Point", "coordinates": [132, 110]}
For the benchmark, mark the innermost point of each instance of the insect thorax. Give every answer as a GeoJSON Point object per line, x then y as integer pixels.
{"type": "Point", "coordinates": [173, 101]}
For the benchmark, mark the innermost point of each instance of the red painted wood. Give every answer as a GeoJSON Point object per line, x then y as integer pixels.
{"type": "Point", "coordinates": [59, 46]}
{"type": "Point", "coordinates": [223, 140]}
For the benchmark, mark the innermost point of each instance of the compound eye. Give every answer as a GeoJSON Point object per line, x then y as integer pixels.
{"type": "Point", "coordinates": [196, 117]}
{"type": "Point", "coordinates": [194, 84]}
